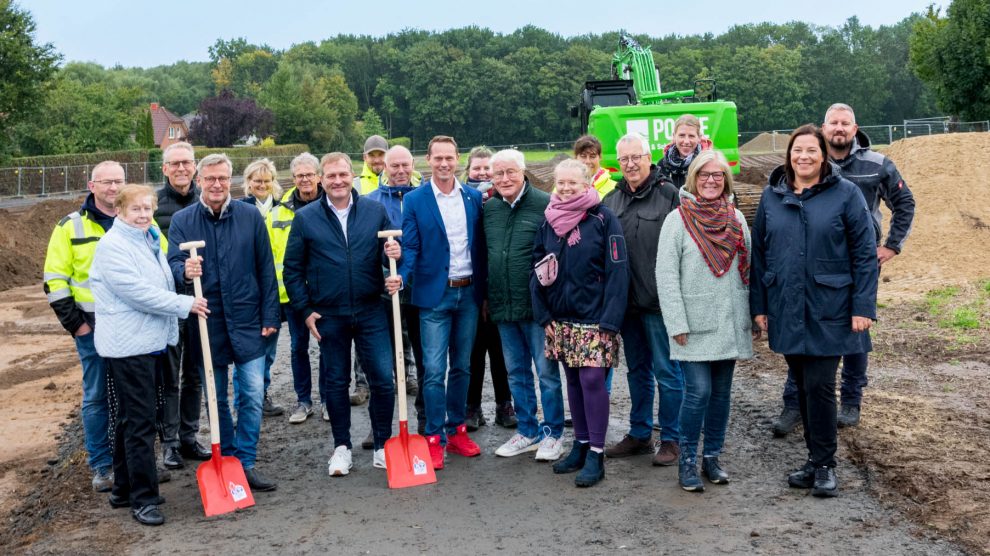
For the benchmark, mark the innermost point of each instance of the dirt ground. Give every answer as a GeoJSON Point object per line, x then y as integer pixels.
{"type": "Point", "coordinates": [915, 475]}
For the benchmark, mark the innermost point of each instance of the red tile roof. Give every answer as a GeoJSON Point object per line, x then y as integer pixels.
{"type": "Point", "coordinates": [161, 118]}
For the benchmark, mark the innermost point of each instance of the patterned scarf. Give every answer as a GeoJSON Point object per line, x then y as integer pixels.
{"type": "Point", "coordinates": [716, 231]}
{"type": "Point", "coordinates": [564, 216]}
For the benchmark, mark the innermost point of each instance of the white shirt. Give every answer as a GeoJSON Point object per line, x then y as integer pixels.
{"type": "Point", "coordinates": [454, 216]}
{"type": "Point", "coordinates": [342, 214]}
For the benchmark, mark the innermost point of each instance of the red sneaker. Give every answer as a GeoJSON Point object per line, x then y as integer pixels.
{"type": "Point", "coordinates": [436, 450]}
{"type": "Point", "coordinates": [461, 444]}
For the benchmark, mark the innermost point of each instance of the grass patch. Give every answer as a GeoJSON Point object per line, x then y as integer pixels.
{"type": "Point", "coordinates": [962, 318]}
{"type": "Point", "coordinates": [984, 287]}
{"type": "Point", "coordinates": [935, 300]}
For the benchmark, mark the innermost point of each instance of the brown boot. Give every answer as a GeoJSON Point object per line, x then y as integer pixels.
{"type": "Point", "coordinates": [629, 446]}
{"type": "Point", "coordinates": [667, 453]}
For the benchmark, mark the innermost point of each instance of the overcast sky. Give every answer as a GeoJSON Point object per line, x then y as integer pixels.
{"type": "Point", "coordinates": [142, 33]}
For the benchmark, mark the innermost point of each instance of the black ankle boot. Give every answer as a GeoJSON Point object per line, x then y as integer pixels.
{"type": "Point", "coordinates": [574, 460]}
{"type": "Point", "coordinates": [711, 469]}
{"type": "Point", "coordinates": [593, 470]}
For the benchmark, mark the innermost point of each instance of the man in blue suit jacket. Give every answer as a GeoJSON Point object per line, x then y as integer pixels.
{"type": "Point", "coordinates": [444, 259]}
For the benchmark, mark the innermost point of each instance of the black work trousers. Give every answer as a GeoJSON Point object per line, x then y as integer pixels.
{"type": "Point", "coordinates": [487, 341]}
{"type": "Point", "coordinates": [815, 378]}
{"type": "Point", "coordinates": [182, 399]}
{"type": "Point", "coordinates": [133, 393]}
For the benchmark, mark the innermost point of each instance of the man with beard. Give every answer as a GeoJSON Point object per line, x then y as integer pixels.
{"type": "Point", "coordinates": [878, 179]}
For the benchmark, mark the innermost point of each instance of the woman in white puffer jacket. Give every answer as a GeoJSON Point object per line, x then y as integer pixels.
{"type": "Point", "coordinates": [137, 313]}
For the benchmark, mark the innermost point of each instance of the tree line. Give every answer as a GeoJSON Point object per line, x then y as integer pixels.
{"type": "Point", "coordinates": [485, 87]}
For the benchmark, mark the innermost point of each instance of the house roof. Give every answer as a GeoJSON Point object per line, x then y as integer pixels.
{"type": "Point", "coordinates": [160, 120]}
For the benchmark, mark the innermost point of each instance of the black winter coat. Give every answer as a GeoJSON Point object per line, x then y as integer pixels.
{"type": "Point", "coordinates": [592, 280]}
{"type": "Point", "coordinates": [170, 202]}
{"type": "Point", "coordinates": [328, 274]}
{"type": "Point", "coordinates": [814, 267]}
{"type": "Point", "coordinates": [238, 278]}
{"type": "Point", "coordinates": [641, 214]}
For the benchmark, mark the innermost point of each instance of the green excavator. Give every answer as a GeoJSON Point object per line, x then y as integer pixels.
{"type": "Point", "coordinates": [632, 101]}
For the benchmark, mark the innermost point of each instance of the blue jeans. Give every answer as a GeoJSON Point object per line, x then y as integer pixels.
{"type": "Point", "coordinates": [447, 329]}
{"type": "Point", "coordinates": [242, 442]}
{"type": "Point", "coordinates": [368, 329]}
{"type": "Point", "coordinates": [707, 390]}
{"type": "Point", "coordinates": [95, 408]}
{"type": "Point", "coordinates": [522, 345]}
{"type": "Point", "coordinates": [853, 381]}
{"type": "Point", "coordinates": [647, 351]}
{"type": "Point", "coordinates": [271, 345]}
{"type": "Point", "coordinates": [302, 370]}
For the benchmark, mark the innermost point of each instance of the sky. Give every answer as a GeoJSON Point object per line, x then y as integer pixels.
{"type": "Point", "coordinates": [146, 34]}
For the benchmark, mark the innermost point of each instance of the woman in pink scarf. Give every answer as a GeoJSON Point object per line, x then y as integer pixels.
{"type": "Point", "coordinates": [579, 292]}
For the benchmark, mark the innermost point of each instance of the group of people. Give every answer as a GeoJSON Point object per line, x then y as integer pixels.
{"type": "Point", "coordinates": [661, 263]}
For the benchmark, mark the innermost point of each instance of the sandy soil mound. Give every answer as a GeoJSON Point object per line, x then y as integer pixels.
{"type": "Point", "coordinates": [950, 178]}
{"type": "Point", "coordinates": [24, 240]}
{"type": "Point", "coordinates": [764, 143]}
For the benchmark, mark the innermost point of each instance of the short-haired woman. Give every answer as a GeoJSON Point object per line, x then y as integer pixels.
{"type": "Point", "coordinates": [137, 313]}
{"type": "Point", "coordinates": [703, 272]}
{"type": "Point", "coordinates": [814, 287]}
{"type": "Point", "coordinates": [688, 142]}
{"type": "Point", "coordinates": [579, 290]}
{"type": "Point", "coordinates": [588, 149]}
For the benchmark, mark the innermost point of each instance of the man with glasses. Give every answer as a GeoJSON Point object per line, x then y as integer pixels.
{"type": "Point", "coordinates": [641, 200]}
{"type": "Point", "coordinates": [305, 170]}
{"type": "Point", "coordinates": [181, 385]}
{"type": "Point", "coordinates": [67, 264]}
{"type": "Point", "coordinates": [238, 275]}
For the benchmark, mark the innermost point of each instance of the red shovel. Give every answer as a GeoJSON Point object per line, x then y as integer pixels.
{"type": "Point", "coordinates": [407, 456]}
{"type": "Point", "coordinates": [222, 483]}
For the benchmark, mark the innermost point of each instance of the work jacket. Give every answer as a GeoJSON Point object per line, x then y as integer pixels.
{"type": "Point", "coordinates": [279, 224]}
{"type": "Point", "coordinates": [67, 264]}
{"type": "Point", "coordinates": [814, 266]}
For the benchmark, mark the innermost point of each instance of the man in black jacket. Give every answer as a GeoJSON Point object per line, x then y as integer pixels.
{"type": "Point", "coordinates": [181, 419]}
{"type": "Point", "coordinates": [878, 179]}
{"type": "Point", "coordinates": [333, 275]}
{"type": "Point", "coordinates": [641, 200]}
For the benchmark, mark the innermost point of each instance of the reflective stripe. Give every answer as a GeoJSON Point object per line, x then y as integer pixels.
{"type": "Point", "coordinates": [281, 224]}
{"type": "Point", "coordinates": [59, 294]}
{"type": "Point", "coordinates": [53, 276]}
{"type": "Point", "coordinates": [88, 306]}
{"type": "Point", "coordinates": [77, 225]}
{"type": "Point", "coordinates": [281, 285]}
{"type": "Point", "coordinates": [279, 267]}
{"type": "Point", "coordinates": [76, 284]}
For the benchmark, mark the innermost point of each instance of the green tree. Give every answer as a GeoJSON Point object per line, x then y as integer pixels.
{"type": "Point", "coordinates": [25, 69]}
{"type": "Point", "coordinates": [145, 135]}
{"type": "Point", "coordinates": [952, 55]}
{"type": "Point", "coordinates": [371, 124]}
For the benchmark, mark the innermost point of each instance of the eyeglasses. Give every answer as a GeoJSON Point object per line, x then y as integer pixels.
{"type": "Point", "coordinates": [304, 176]}
{"type": "Point", "coordinates": [633, 158]}
{"type": "Point", "coordinates": [210, 180]}
{"type": "Point", "coordinates": [175, 164]}
{"type": "Point", "coordinates": [717, 176]}
{"type": "Point", "coordinates": [510, 173]}
{"type": "Point", "coordinates": [260, 182]}
{"type": "Point", "coordinates": [107, 183]}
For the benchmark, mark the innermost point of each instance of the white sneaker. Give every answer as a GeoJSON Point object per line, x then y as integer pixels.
{"type": "Point", "coordinates": [516, 445]}
{"type": "Point", "coordinates": [340, 462]}
{"type": "Point", "coordinates": [326, 413]}
{"type": "Point", "coordinates": [550, 449]}
{"type": "Point", "coordinates": [378, 460]}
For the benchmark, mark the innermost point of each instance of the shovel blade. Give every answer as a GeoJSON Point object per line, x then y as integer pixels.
{"type": "Point", "coordinates": [407, 460]}
{"type": "Point", "coordinates": [223, 486]}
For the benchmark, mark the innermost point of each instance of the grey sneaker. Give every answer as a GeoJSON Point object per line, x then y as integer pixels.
{"type": "Point", "coordinates": [326, 413]}
{"type": "Point", "coordinates": [360, 396]}
{"type": "Point", "coordinates": [103, 480]}
{"type": "Point", "coordinates": [301, 413]}
{"type": "Point", "coordinates": [412, 387]}
{"type": "Point", "coordinates": [848, 416]}
{"type": "Point", "coordinates": [269, 409]}
{"type": "Point", "coordinates": [786, 421]}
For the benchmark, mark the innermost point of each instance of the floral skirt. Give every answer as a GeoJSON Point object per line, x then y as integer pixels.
{"type": "Point", "coordinates": [582, 345]}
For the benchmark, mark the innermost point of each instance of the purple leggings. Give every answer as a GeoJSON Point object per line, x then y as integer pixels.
{"type": "Point", "coordinates": [588, 400]}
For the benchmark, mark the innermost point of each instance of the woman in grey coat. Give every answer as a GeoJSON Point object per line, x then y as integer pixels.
{"type": "Point", "coordinates": [703, 276]}
{"type": "Point", "coordinates": [136, 314]}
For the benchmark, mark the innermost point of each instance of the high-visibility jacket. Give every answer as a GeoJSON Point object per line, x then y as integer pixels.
{"type": "Point", "coordinates": [368, 180]}
{"type": "Point", "coordinates": [279, 223]}
{"type": "Point", "coordinates": [603, 183]}
{"type": "Point", "coordinates": [70, 255]}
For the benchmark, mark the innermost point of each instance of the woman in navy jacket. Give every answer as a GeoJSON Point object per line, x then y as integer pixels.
{"type": "Point", "coordinates": [581, 308]}
{"type": "Point", "coordinates": [813, 286]}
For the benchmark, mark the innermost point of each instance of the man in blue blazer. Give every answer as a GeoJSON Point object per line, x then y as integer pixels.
{"type": "Point", "coordinates": [444, 259]}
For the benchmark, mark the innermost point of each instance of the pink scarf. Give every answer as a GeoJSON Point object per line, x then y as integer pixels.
{"type": "Point", "coordinates": [564, 216]}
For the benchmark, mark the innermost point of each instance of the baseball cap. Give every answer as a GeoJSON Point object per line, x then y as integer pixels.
{"type": "Point", "coordinates": [375, 143]}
